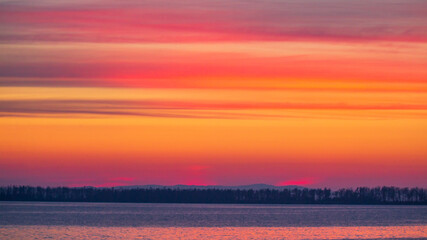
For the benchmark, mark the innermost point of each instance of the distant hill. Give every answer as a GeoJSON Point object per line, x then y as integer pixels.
{"type": "Point", "coordinates": [183, 187]}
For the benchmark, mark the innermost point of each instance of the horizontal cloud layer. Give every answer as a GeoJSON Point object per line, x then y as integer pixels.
{"type": "Point", "coordinates": [194, 20]}
{"type": "Point", "coordinates": [258, 65]}
{"type": "Point", "coordinates": [179, 109]}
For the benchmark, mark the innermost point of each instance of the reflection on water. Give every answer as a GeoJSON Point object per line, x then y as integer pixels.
{"type": "Point", "coordinates": [207, 215]}
{"type": "Point", "coordinates": [50, 220]}
{"type": "Point", "coordinates": [76, 232]}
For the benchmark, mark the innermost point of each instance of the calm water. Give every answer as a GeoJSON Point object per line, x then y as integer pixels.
{"type": "Point", "coordinates": [36, 220]}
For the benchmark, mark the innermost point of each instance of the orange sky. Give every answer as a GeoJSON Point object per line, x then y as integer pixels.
{"type": "Point", "coordinates": [201, 92]}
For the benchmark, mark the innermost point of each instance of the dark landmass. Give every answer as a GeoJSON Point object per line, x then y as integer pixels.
{"type": "Point", "coordinates": [361, 195]}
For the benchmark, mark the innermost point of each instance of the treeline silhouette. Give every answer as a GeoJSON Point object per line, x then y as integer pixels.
{"type": "Point", "coordinates": [361, 195]}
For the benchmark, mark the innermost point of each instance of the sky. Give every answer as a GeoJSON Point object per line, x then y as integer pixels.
{"type": "Point", "coordinates": [314, 93]}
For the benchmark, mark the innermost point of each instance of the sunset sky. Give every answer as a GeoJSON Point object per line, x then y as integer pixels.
{"type": "Point", "coordinates": [328, 93]}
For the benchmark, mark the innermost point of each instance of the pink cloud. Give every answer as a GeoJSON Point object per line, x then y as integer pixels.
{"type": "Point", "coordinates": [298, 182]}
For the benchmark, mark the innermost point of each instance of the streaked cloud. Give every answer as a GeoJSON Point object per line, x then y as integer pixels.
{"type": "Point", "coordinates": [192, 20]}
{"type": "Point", "coordinates": [218, 65]}
{"type": "Point", "coordinates": [177, 109]}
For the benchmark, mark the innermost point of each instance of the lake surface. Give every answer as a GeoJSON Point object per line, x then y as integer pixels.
{"type": "Point", "coordinates": [41, 220]}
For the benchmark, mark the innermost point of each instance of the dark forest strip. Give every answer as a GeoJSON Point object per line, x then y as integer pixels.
{"type": "Point", "coordinates": [361, 195]}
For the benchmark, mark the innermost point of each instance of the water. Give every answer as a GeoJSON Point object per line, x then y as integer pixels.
{"type": "Point", "coordinates": [40, 220]}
